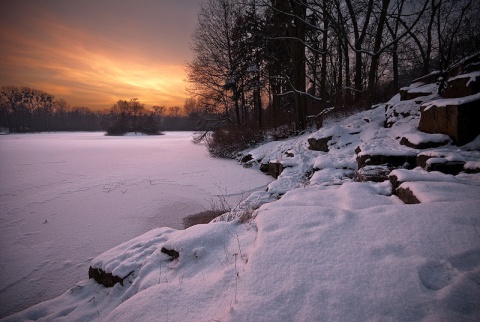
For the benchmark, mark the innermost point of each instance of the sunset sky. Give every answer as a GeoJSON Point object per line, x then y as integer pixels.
{"type": "Point", "coordinates": [95, 52]}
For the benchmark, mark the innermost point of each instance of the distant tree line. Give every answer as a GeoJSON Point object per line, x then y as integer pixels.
{"type": "Point", "coordinates": [261, 64]}
{"type": "Point", "coordinates": [24, 110]}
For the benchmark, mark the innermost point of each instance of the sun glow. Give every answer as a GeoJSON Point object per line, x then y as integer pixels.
{"type": "Point", "coordinates": [86, 69]}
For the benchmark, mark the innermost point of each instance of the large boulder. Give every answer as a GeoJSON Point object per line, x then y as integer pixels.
{"type": "Point", "coordinates": [462, 85]}
{"type": "Point", "coordinates": [272, 168]}
{"type": "Point", "coordinates": [456, 117]}
{"type": "Point", "coordinates": [320, 144]}
{"type": "Point", "coordinates": [373, 173]}
{"type": "Point", "coordinates": [275, 169]}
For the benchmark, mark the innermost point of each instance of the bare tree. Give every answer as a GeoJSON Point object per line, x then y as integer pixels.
{"type": "Point", "coordinates": [209, 72]}
{"type": "Point", "coordinates": [294, 17]}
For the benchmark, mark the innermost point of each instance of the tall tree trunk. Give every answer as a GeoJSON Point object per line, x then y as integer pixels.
{"type": "Point", "coordinates": [358, 46]}
{"type": "Point", "coordinates": [339, 85]}
{"type": "Point", "coordinates": [372, 74]}
{"type": "Point", "coordinates": [295, 12]}
{"type": "Point", "coordinates": [348, 80]}
{"type": "Point", "coordinates": [323, 77]}
{"type": "Point", "coordinates": [297, 49]}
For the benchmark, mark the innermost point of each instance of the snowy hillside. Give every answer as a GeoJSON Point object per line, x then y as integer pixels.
{"type": "Point", "coordinates": [319, 245]}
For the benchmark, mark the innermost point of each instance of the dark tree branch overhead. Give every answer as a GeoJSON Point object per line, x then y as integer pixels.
{"type": "Point", "coordinates": [277, 61]}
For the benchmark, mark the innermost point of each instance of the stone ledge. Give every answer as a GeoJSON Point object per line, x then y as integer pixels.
{"type": "Point", "coordinates": [374, 173]}
{"type": "Point", "coordinates": [319, 144]}
{"type": "Point", "coordinates": [406, 195]}
{"type": "Point", "coordinates": [390, 160]}
{"type": "Point", "coordinates": [457, 118]}
{"type": "Point", "coordinates": [104, 278]}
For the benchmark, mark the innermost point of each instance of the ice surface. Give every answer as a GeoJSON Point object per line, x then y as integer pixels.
{"type": "Point", "coordinates": [65, 198]}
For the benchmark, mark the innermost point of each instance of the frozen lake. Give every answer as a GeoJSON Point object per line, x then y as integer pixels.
{"type": "Point", "coordinates": [67, 197]}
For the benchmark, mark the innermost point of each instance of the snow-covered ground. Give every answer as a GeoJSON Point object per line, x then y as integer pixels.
{"type": "Point", "coordinates": [319, 247]}
{"type": "Point", "coordinates": [66, 198]}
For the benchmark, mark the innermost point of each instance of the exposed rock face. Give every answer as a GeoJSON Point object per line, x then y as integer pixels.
{"type": "Point", "coordinates": [390, 160]}
{"type": "Point", "coordinates": [170, 252]}
{"type": "Point", "coordinates": [272, 168]}
{"type": "Point", "coordinates": [375, 173]}
{"type": "Point", "coordinates": [422, 160]}
{"type": "Point", "coordinates": [319, 144]}
{"type": "Point", "coordinates": [264, 167]}
{"type": "Point", "coordinates": [275, 169]}
{"type": "Point", "coordinates": [457, 118]}
{"type": "Point", "coordinates": [246, 158]}
{"type": "Point", "coordinates": [403, 193]}
{"type": "Point", "coordinates": [422, 145]}
{"type": "Point", "coordinates": [461, 86]}
{"type": "Point", "coordinates": [472, 167]}
{"type": "Point", "coordinates": [406, 195]}
{"type": "Point", "coordinates": [447, 167]}
{"type": "Point", "coordinates": [394, 181]}
{"type": "Point", "coordinates": [104, 278]}
{"type": "Point", "coordinates": [458, 113]}
{"type": "Point", "coordinates": [448, 163]}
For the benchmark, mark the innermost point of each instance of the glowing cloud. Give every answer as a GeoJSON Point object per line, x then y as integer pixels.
{"type": "Point", "coordinates": [86, 68]}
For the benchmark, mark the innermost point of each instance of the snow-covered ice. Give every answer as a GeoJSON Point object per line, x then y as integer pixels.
{"type": "Point", "coordinates": [320, 247]}
{"type": "Point", "coordinates": [65, 198]}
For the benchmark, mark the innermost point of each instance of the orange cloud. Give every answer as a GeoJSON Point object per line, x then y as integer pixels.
{"type": "Point", "coordinates": [86, 69]}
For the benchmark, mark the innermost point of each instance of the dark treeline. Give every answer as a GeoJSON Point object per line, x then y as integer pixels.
{"type": "Point", "coordinates": [266, 63]}
{"type": "Point", "coordinates": [24, 110]}
{"type": "Point", "coordinates": [132, 116]}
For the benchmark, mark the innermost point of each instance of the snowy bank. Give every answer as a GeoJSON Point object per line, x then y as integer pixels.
{"type": "Point", "coordinates": [316, 246]}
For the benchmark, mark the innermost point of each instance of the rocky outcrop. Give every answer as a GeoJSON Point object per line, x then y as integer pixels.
{"type": "Point", "coordinates": [406, 160]}
{"type": "Point", "coordinates": [246, 158]}
{"type": "Point", "coordinates": [376, 167]}
{"type": "Point", "coordinates": [462, 85]}
{"type": "Point", "coordinates": [272, 168]}
{"type": "Point", "coordinates": [447, 167]}
{"type": "Point", "coordinates": [170, 252]}
{"type": "Point", "coordinates": [104, 278]}
{"type": "Point", "coordinates": [448, 163]}
{"type": "Point", "coordinates": [275, 169]}
{"type": "Point", "coordinates": [319, 144]}
{"type": "Point", "coordinates": [472, 167]}
{"type": "Point", "coordinates": [457, 118]}
{"type": "Point", "coordinates": [406, 195]}
{"type": "Point", "coordinates": [374, 173]}
{"type": "Point", "coordinates": [457, 112]}
{"type": "Point", "coordinates": [423, 144]}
